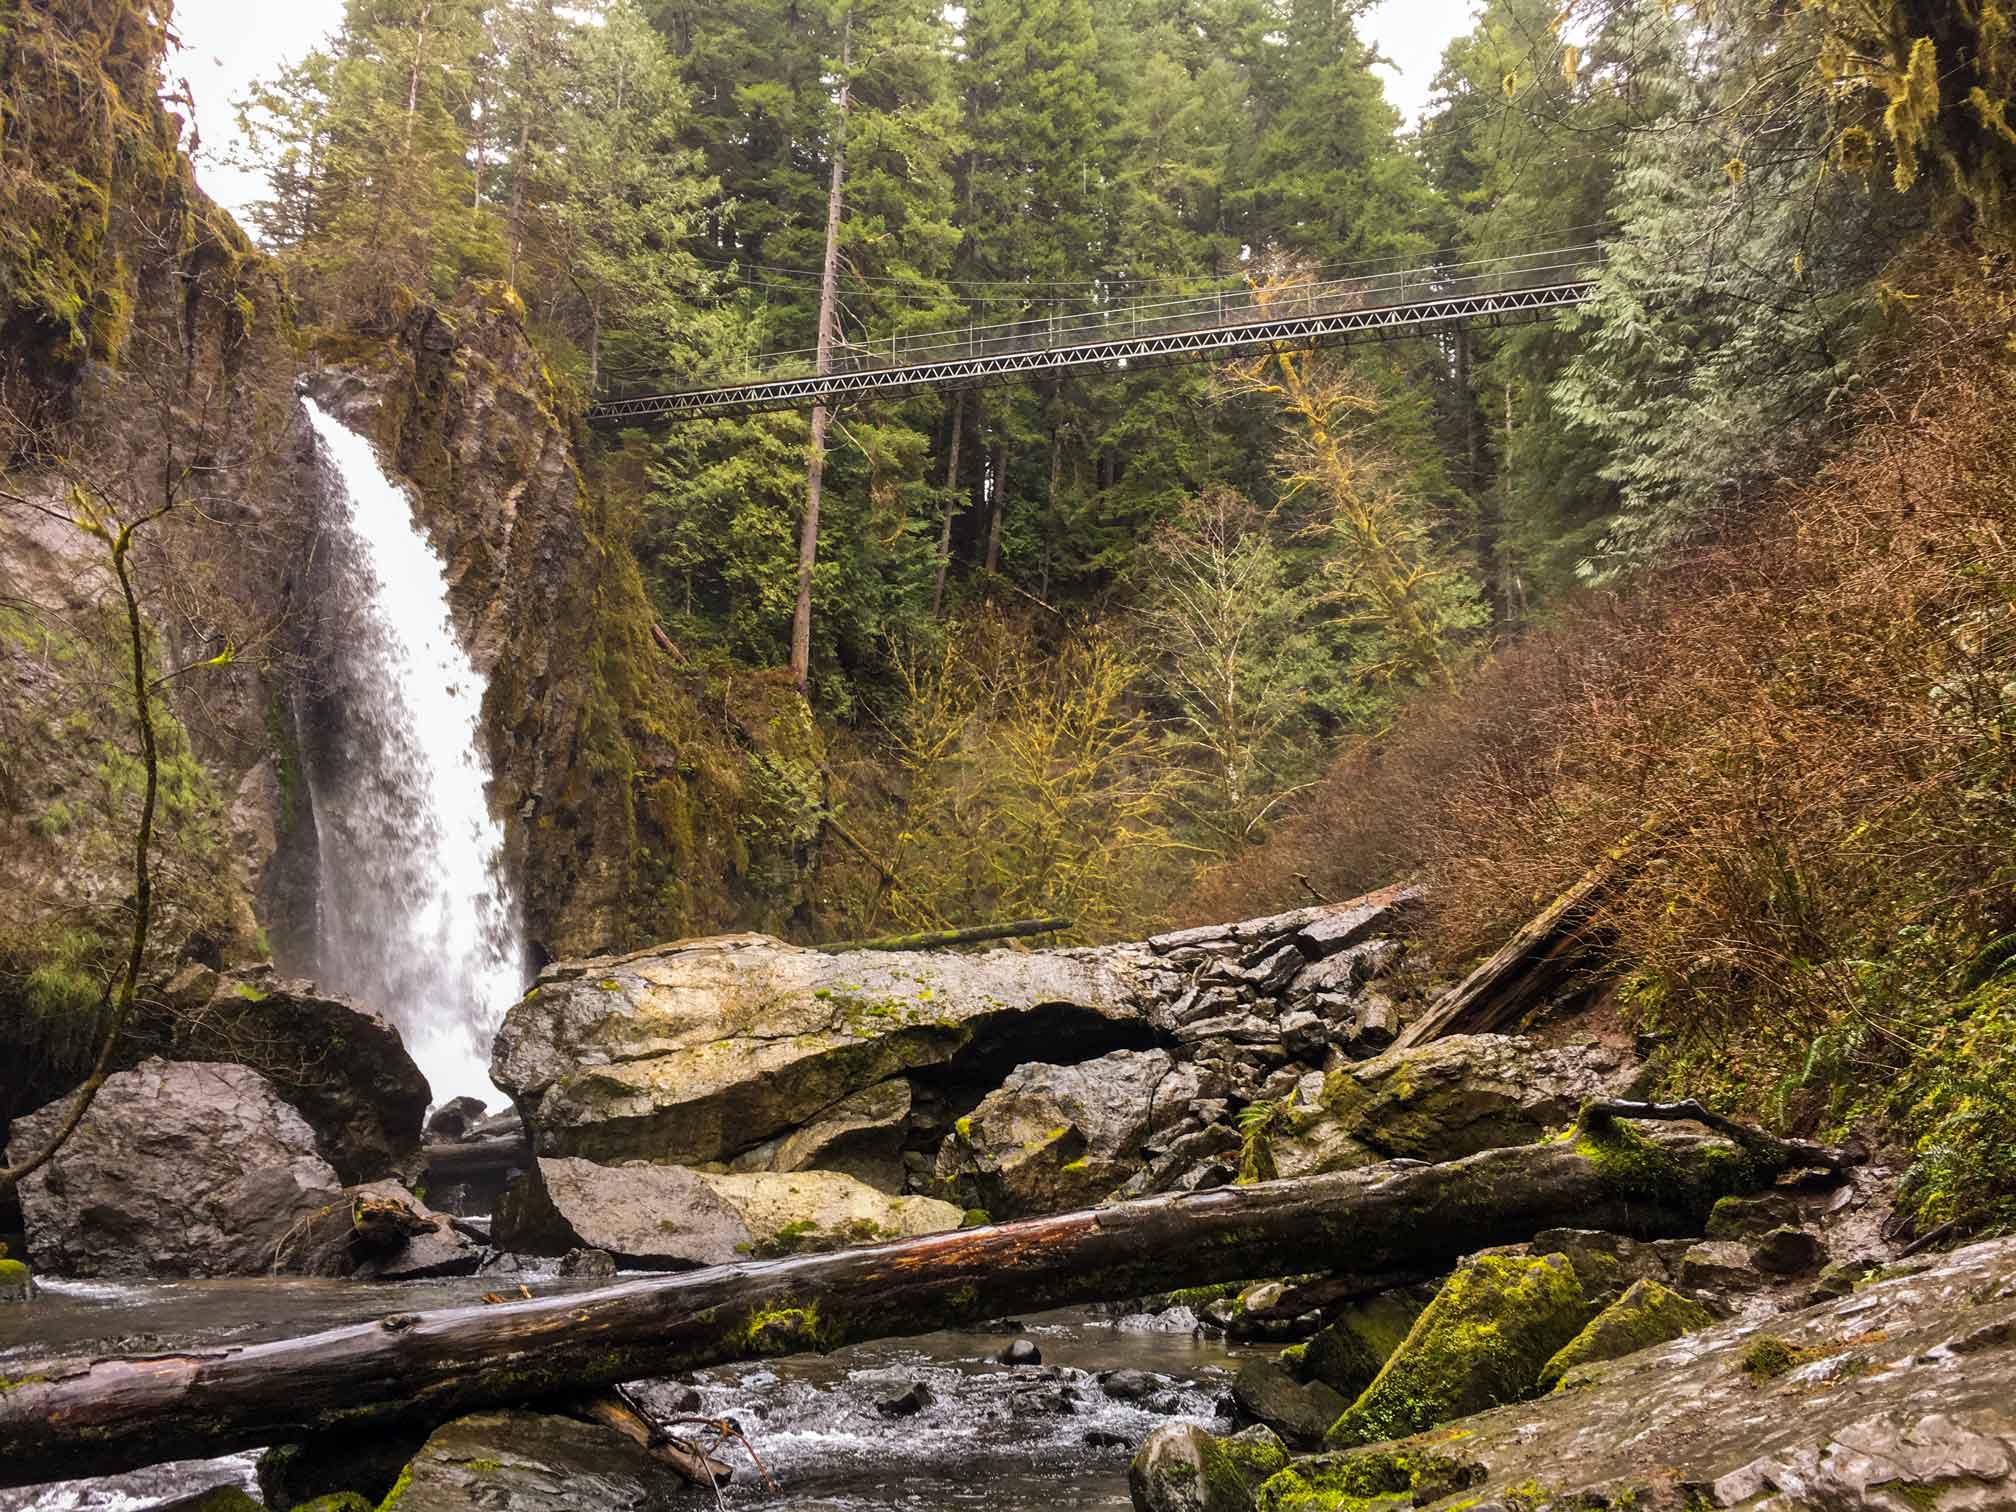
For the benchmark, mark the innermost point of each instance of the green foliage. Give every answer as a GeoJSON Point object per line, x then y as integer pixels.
{"type": "Point", "coordinates": [1256, 1144]}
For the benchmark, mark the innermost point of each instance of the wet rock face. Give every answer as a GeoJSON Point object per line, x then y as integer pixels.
{"type": "Point", "coordinates": [699, 1051]}
{"type": "Point", "coordinates": [184, 1168]}
{"type": "Point", "coordinates": [1058, 1137]}
{"type": "Point", "coordinates": [1899, 1398]}
{"type": "Point", "coordinates": [340, 1064]}
{"type": "Point", "coordinates": [532, 1462]}
{"type": "Point", "coordinates": [671, 1218]}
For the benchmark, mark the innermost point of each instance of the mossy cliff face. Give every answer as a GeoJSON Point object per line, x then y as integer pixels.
{"type": "Point", "coordinates": [144, 360]}
{"type": "Point", "coordinates": [631, 814]}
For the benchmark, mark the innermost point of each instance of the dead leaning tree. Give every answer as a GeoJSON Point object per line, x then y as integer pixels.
{"type": "Point", "coordinates": [99, 1415]}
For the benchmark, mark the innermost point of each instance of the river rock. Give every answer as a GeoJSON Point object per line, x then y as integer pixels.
{"type": "Point", "coordinates": [533, 1462]}
{"type": "Point", "coordinates": [1447, 1099]}
{"type": "Point", "coordinates": [1647, 1314]}
{"type": "Point", "coordinates": [1352, 1347]}
{"type": "Point", "coordinates": [1300, 1411]}
{"type": "Point", "coordinates": [1908, 1404]}
{"type": "Point", "coordinates": [1052, 1137]}
{"type": "Point", "coordinates": [426, 1246]}
{"type": "Point", "coordinates": [454, 1118]}
{"type": "Point", "coordinates": [1181, 1468]}
{"type": "Point", "coordinates": [698, 1051]}
{"type": "Point", "coordinates": [182, 1168]}
{"type": "Point", "coordinates": [1484, 1340]}
{"type": "Point", "coordinates": [340, 1064]}
{"type": "Point", "coordinates": [673, 1218]}
{"type": "Point", "coordinates": [17, 1282]}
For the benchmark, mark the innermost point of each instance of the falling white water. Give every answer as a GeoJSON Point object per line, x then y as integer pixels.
{"type": "Point", "coordinates": [416, 913]}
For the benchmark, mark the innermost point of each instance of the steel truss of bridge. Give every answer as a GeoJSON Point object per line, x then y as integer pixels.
{"type": "Point", "coordinates": [1321, 318]}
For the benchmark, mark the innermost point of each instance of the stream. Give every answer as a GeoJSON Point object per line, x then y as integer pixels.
{"type": "Point", "coordinates": [1048, 1438]}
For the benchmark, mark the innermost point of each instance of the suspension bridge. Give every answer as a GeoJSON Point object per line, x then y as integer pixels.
{"type": "Point", "coordinates": [1122, 336]}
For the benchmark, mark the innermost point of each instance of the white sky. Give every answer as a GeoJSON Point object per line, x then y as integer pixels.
{"type": "Point", "coordinates": [227, 44]}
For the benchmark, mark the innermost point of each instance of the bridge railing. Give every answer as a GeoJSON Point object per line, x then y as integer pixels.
{"type": "Point", "coordinates": [1225, 307]}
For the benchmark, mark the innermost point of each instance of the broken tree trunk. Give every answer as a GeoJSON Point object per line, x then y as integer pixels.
{"type": "Point", "coordinates": [1546, 954]}
{"type": "Point", "coordinates": [98, 1415]}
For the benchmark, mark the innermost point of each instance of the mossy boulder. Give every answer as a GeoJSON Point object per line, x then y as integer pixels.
{"type": "Point", "coordinates": [1450, 1098]}
{"type": "Point", "coordinates": [16, 1283]}
{"type": "Point", "coordinates": [337, 1501]}
{"type": "Point", "coordinates": [1349, 1351]}
{"type": "Point", "coordinates": [216, 1499]}
{"type": "Point", "coordinates": [1647, 1314]}
{"type": "Point", "coordinates": [310, 1475]}
{"type": "Point", "coordinates": [1483, 1341]}
{"type": "Point", "coordinates": [1606, 1263]}
{"type": "Point", "coordinates": [1181, 1468]}
{"type": "Point", "coordinates": [1365, 1482]}
{"type": "Point", "coordinates": [1300, 1411]}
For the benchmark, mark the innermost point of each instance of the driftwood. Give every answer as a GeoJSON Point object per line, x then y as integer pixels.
{"type": "Point", "coordinates": [613, 1410]}
{"type": "Point", "coordinates": [1544, 956]}
{"type": "Point", "coordinates": [1017, 929]}
{"type": "Point", "coordinates": [99, 1415]}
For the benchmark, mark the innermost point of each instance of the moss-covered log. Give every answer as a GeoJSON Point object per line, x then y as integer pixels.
{"type": "Point", "coordinates": [94, 1416]}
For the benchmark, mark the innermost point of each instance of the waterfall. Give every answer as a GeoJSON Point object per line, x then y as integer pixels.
{"type": "Point", "coordinates": [415, 912]}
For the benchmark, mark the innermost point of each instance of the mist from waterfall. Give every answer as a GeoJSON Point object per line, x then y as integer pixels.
{"type": "Point", "coordinates": [415, 911]}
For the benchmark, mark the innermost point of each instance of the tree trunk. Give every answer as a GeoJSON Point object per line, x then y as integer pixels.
{"type": "Point", "coordinates": [951, 493]}
{"type": "Point", "coordinates": [108, 1413]}
{"type": "Point", "coordinates": [997, 470]}
{"type": "Point", "coordinates": [815, 471]}
{"type": "Point", "coordinates": [1050, 526]}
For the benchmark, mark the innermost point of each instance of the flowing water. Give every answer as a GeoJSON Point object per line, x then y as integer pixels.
{"type": "Point", "coordinates": [416, 915]}
{"type": "Point", "coordinates": [1010, 1439]}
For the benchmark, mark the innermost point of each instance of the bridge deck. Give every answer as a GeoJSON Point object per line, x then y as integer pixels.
{"type": "Point", "coordinates": [1390, 307]}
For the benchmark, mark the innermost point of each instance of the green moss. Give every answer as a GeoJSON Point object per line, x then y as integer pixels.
{"type": "Point", "coordinates": [1364, 1482]}
{"type": "Point", "coordinates": [1637, 1169]}
{"type": "Point", "coordinates": [974, 1218]}
{"type": "Point", "coordinates": [398, 1492]}
{"type": "Point", "coordinates": [1482, 1342]}
{"type": "Point", "coordinates": [337, 1501]}
{"type": "Point", "coordinates": [486, 1466]}
{"type": "Point", "coordinates": [248, 992]}
{"type": "Point", "coordinates": [1767, 1357]}
{"type": "Point", "coordinates": [782, 1330]}
{"type": "Point", "coordinates": [15, 1383]}
{"type": "Point", "coordinates": [1257, 1455]}
{"type": "Point", "coordinates": [1922, 1495]}
{"type": "Point", "coordinates": [1647, 1314]}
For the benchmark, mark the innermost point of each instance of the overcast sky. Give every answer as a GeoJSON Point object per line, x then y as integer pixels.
{"type": "Point", "coordinates": [229, 43]}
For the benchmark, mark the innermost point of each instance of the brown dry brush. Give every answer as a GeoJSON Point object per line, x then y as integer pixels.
{"type": "Point", "coordinates": [1817, 714]}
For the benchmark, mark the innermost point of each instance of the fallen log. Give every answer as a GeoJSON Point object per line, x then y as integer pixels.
{"type": "Point", "coordinates": [460, 1160]}
{"type": "Point", "coordinates": [94, 1416]}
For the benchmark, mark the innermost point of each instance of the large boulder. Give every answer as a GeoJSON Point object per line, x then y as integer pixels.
{"type": "Point", "coordinates": [672, 1218]}
{"type": "Point", "coordinates": [1053, 1138]}
{"type": "Point", "coordinates": [341, 1065]}
{"type": "Point", "coordinates": [1300, 1411]}
{"type": "Point", "coordinates": [1447, 1099]}
{"type": "Point", "coordinates": [699, 1051]}
{"type": "Point", "coordinates": [533, 1462]}
{"type": "Point", "coordinates": [181, 1168]}
{"type": "Point", "coordinates": [1899, 1398]}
